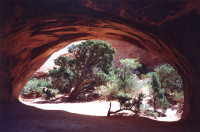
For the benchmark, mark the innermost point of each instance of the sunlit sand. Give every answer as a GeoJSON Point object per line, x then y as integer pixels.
{"type": "Point", "coordinates": [96, 108]}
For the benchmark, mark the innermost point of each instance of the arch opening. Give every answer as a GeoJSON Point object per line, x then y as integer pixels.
{"type": "Point", "coordinates": [149, 64]}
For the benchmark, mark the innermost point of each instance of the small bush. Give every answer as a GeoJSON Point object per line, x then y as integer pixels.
{"type": "Point", "coordinates": [50, 93]}
{"type": "Point", "coordinates": [109, 91]}
{"type": "Point", "coordinates": [159, 98]}
{"type": "Point", "coordinates": [43, 83]}
{"type": "Point", "coordinates": [169, 78]}
{"type": "Point", "coordinates": [178, 96]}
{"type": "Point", "coordinates": [31, 85]}
{"type": "Point", "coordinates": [123, 97]}
{"type": "Point", "coordinates": [36, 85]}
{"type": "Point", "coordinates": [144, 76]}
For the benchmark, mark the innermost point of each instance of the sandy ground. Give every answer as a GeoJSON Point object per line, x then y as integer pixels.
{"type": "Point", "coordinates": [95, 108]}
{"type": "Point", "coordinates": [19, 117]}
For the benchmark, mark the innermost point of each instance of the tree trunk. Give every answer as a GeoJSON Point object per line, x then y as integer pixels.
{"type": "Point", "coordinates": [108, 114]}
{"type": "Point", "coordinates": [74, 94]}
{"type": "Point", "coordinates": [154, 103]}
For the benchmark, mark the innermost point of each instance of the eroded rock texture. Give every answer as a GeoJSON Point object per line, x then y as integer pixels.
{"type": "Point", "coordinates": [32, 30]}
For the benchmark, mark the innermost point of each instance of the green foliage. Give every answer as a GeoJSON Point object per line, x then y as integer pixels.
{"type": "Point", "coordinates": [130, 64]}
{"type": "Point", "coordinates": [123, 85]}
{"type": "Point", "coordinates": [179, 96]}
{"type": "Point", "coordinates": [137, 103]}
{"type": "Point", "coordinates": [123, 97]}
{"type": "Point", "coordinates": [59, 81]}
{"type": "Point", "coordinates": [155, 82]}
{"type": "Point", "coordinates": [35, 84]}
{"type": "Point", "coordinates": [169, 78]}
{"type": "Point", "coordinates": [127, 79]}
{"type": "Point", "coordinates": [159, 99]}
{"type": "Point", "coordinates": [116, 88]}
{"type": "Point", "coordinates": [128, 67]}
{"type": "Point", "coordinates": [40, 85]}
{"type": "Point", "coordinates": [131, 102]}
{"type": "Point", "coordinates": [50, 93]}
{"type": "Point", "coordinates": [43, 83]}
{"type": "Point", "coordinates": [171, 83]}
{"type": "Point", "coordinates": [126, 74]}
{"type": "Point", "coordinates": [109, 91]}
{"type": "Point", "coordinates": [80, 74]}
{"type": "Point", "coordinates": [144, 76]}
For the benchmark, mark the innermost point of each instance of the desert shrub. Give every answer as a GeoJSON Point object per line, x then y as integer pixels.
{"type": "Point", "coordinates": [40, 85]}
{"type": "Point", "coordinates": [178, 96]}
{"type": "Point", "coordinates": [31, 85]}
{"type": "Point", "coordinates": [122, 82]}
{"type": "Point", "coordinates": [144, 76]}
{"type": "Point", "coordinates": [43, 83]}
{"type": "Point", "coordinates": [128, 102]}
{"type": "Point", "coordinates": [171, 83]}
{"type": "Point", "coordinates": [35, 84]}
{"type": "Point", "coordinates": [138, 101]}
{"type": "Point", "coordinates": [115, 88]}
{"type": "Point", "coordinates": [49, 93]}
{"type": "Point", "coordinates": [169, 78]}
{"type": "Point", "coordinates": [159, 98]}
{"type": "Point", "coordinates": [111, 88]}
{"type": "Point", "coordinates": [109, 91]}
{"type": "Point", "coordinates": [124, 86]}
{"type": "Point", "coordinates": [123, 97]}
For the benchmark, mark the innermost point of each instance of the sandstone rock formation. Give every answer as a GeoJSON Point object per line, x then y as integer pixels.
{"type": "Point", "coordinates": [32, 30]}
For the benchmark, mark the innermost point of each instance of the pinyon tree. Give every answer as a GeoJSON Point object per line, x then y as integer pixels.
{"type": "Point", "coordinates": [80, 73]}
{"type": "Point", "coordinates": [169, 78]}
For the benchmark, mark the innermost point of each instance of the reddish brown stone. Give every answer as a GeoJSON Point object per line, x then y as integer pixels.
{"type": "Point", "coordinates": [31, 31]}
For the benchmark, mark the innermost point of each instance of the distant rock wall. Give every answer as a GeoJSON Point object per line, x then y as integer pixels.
{"type": "Point", "coordinates": [123, 50]}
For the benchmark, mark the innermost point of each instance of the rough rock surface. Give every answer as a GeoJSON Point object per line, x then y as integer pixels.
{"type": "Point", "coordinates": [32, 30]}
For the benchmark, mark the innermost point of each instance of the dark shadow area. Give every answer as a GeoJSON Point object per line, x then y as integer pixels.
{"type": "Point", "coordinates": [18, 117]}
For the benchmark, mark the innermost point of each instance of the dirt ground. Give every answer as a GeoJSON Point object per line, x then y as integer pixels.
{"type": "Point", "coordinates": [93, 108]}
{"type": "Point", "coordinates": [18, 117]}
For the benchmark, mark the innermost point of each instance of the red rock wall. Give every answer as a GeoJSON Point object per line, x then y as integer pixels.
{"type": "Point", "coordinates": [32, 30]}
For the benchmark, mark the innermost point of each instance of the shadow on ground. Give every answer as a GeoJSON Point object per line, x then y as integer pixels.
{"type": "Point", "coordinates": [18, 117]}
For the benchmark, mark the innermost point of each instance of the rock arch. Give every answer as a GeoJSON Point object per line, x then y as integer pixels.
{"type": "Point", "coordinates": [32, 31]}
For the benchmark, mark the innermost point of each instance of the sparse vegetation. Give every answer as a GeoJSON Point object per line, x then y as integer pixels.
{"type": "Point", "coordinates": [35, 84]}
{"type": "Point", "coordinates": [124, 86]}
{"type": "Point", "coordinates": [90, 73]}
{"type": "Point", "coordinates": [170, 82]}
{"type": "Point", "coordinates": [159, 98]}
{"type": "Point", "coordinates": [38, 87]}
{"type": "Point", "coordinates": [169, 78]}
